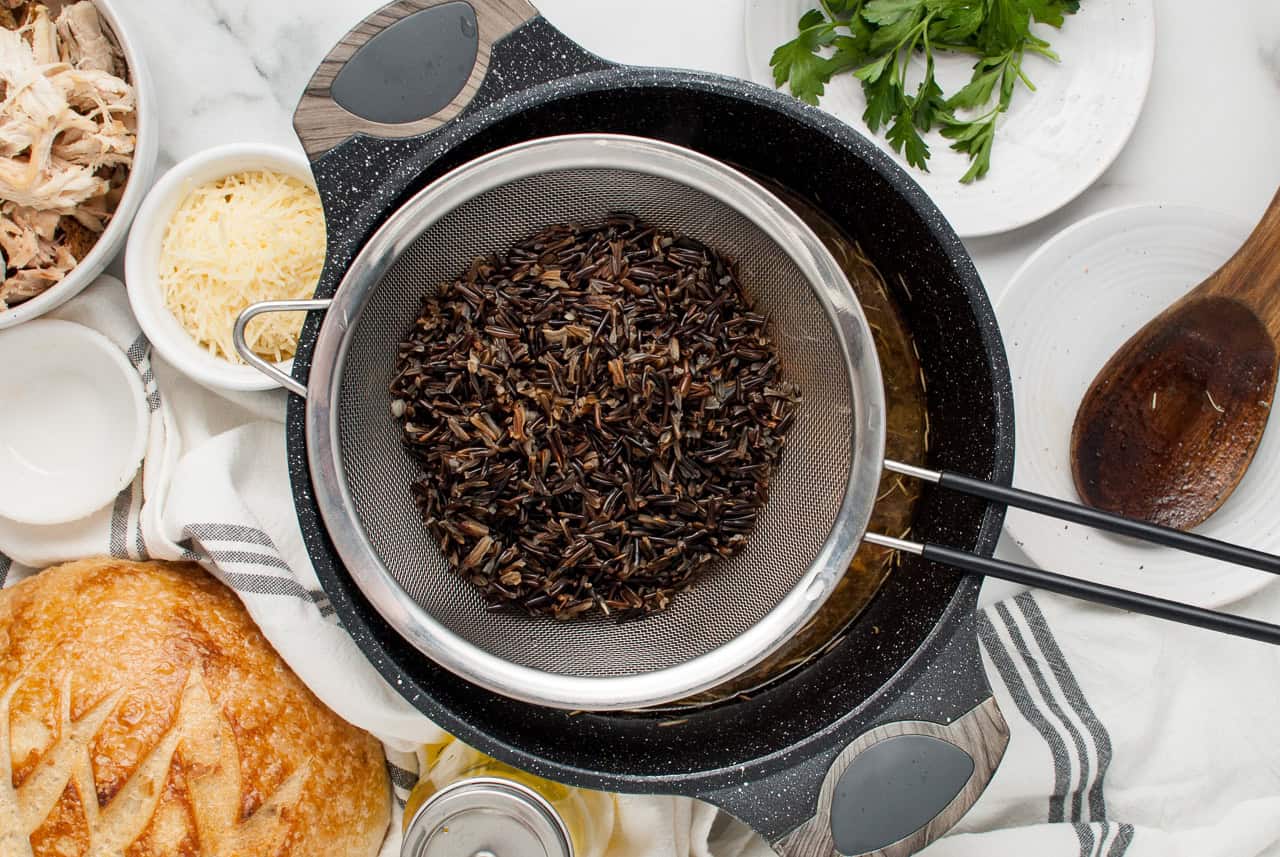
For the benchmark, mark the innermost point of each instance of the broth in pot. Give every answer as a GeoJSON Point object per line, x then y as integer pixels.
{"type": "Point", "coordinates": [906, 440]}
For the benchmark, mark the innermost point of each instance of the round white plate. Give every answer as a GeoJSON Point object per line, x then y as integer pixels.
{"type": "Point", "coordinates": [73, 428]}
{"type": "Point", "coordinates": [1067, 310]}
{"type": "Point", "coordinates": [1051, 145]}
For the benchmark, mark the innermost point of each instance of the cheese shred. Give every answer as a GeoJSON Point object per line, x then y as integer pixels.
{"type": "Point", "coordinates": [249, 237]}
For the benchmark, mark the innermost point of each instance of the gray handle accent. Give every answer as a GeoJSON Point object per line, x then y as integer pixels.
{"type": "Point", "coordinates": [246, 353]}
{"type": "Point", "coordinates": [900, 786]}
{"type": "Point", "coordinates": [406, 69]}
{"type": "Point", "coordinates": [412, 69]}
{"type": "Point", "coordinates": [893, 788]}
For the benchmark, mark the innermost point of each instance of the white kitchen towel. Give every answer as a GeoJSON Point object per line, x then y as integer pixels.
{"type": "Point", "coordinates": [214, 488]}
{"type": "Point", "coordinates": [1129, 735]}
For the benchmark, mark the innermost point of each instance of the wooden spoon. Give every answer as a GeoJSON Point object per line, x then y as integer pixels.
{"type": "Point", "coordinates": [1170, 424]}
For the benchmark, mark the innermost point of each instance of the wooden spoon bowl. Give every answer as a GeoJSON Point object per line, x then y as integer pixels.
{"type": "Point", "coordinates": [1172, 421]}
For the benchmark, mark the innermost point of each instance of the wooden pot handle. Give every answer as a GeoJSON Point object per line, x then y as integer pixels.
{"type": "Point", "coordinates": [402, 70]}
{"type": "Point", "coordinates": [900, 786]}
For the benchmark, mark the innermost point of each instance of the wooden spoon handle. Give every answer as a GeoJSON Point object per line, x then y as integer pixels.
{"type": "Point", "coordinates": [1252, 275]}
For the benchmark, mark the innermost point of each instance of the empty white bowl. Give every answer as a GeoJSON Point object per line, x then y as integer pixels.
{"type": "Point", "coordinates": [142, 259]}
{"type": "Point", "coordinates": [74, 424]}
{"type": "Point", "coordinates": [146, 147]}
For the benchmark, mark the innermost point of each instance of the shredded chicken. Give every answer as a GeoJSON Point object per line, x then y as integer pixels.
{"type": "Point", "coordinates": [67, 136]}
{"type": "Point", "coordinates": [44, 36]}
{"type": "Point", "coordinates": [83, 43]}
{"type": "Point", "coordinates": [29, 282]}
{"type": "Point", "coordinates": [20, 245]}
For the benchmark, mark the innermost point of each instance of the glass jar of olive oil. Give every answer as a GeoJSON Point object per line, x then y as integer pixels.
{"type": "Point", "coordinates": [467, 804]}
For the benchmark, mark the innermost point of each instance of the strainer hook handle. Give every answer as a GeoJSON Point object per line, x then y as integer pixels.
{"type": "Point", "coordinates": [271, 370]}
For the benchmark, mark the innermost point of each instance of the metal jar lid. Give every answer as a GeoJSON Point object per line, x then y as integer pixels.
{"type": "Point", "coordinates": [486, 817]}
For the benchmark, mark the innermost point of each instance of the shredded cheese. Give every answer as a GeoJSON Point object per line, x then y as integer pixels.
{"type": "Point", "coordinates": [248, 237]}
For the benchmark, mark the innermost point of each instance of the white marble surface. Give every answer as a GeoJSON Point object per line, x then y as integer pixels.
{"type": "Point", "coordinates": [232, 70]}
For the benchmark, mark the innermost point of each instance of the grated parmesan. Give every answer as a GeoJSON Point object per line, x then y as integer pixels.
{"type": "Point", "coordinates": [248, 237]}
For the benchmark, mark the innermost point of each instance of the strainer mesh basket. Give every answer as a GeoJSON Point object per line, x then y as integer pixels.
{"type": "Point", "coordinates": [732, 595]}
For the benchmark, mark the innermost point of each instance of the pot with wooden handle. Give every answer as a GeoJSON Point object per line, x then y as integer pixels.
{"type": "Point", "coordinates": [879, 744]}
{"type": "Point", "coordinates": [886, 739]}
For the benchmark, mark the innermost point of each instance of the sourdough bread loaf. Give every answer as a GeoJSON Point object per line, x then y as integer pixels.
{"type": "Point", "coordinates": [142, 713]}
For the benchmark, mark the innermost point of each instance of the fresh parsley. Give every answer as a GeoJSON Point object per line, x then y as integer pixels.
{"type": "Point", "coordinates": [876, 39]}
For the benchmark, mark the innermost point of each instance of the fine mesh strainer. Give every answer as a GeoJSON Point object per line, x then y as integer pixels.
{"type": "Point", "coordinates": [739, 610]}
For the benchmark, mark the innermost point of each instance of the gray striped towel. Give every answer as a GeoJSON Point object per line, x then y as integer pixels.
{"type": "Point", "coordinates": [1129, 736]}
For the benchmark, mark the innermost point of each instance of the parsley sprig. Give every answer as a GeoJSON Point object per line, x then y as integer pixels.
{"type": "Point", "coordinates": [876, 39]}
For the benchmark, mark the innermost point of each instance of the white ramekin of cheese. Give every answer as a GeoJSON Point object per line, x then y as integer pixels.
{"type": "Point", "coordinates": [225, 228]}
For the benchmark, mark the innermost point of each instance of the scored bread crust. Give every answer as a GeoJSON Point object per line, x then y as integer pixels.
{"type": "Point", "coordinates": [143, 713]}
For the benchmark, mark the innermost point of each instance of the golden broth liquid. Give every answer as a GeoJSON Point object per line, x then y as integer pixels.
{"type": "Point", "coordinates": [906, 441]}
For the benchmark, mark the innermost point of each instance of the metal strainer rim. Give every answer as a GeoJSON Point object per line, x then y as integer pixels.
{"type": "Point", "coordinates": [550, 154]}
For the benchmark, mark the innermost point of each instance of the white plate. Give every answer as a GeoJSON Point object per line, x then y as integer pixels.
{"type": "Point", "coordinates": [1065, 313]}
{"type": "Point", "coordinates": [73, 428]}
{"type": "Point", "coordinates": [1051, 145]}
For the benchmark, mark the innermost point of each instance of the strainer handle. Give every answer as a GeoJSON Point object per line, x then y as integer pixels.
{"type": "Point", "coordinates": [1095, 518]}
{"type": "Point", "coordinates": [404, 70]}
{"type": "Point", "coordinates": [1087, 590]}
{"type": "Point", "coordinates": [272, 371]}
{"type": "Point", "coordinates": [900, 786]}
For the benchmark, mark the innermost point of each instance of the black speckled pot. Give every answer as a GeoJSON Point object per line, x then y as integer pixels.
{"type": "Point", "coordinates": [763, 759]}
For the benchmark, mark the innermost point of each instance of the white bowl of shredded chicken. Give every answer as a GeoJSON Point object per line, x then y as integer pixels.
{"type": "Point", "coordinates": [78, 143]}
{"type": "Point", "coordinates": [226, 228]}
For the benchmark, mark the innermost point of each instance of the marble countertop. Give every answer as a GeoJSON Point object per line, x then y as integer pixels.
{"type": "Point", "coordinates": [1209, 134]}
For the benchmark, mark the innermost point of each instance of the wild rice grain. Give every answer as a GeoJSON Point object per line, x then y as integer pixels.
{"type": "Point", "coordinates": [597, 413]}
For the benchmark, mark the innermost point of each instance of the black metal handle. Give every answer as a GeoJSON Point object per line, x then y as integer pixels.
{"type": "Point", "coordinates": [1077, 514]}
{"type": "Point", "coordinates": [1149, 605]}
{"type": "Point", "coordinates": [1111, 596]}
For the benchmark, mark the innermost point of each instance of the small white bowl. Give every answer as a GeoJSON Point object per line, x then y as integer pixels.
{"type": "Point", "coordinates": [142, 259]}
{"type": "Point", "coordinates": [146, 146]}
{"type": "Point", "coordinates": [74, 424]}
